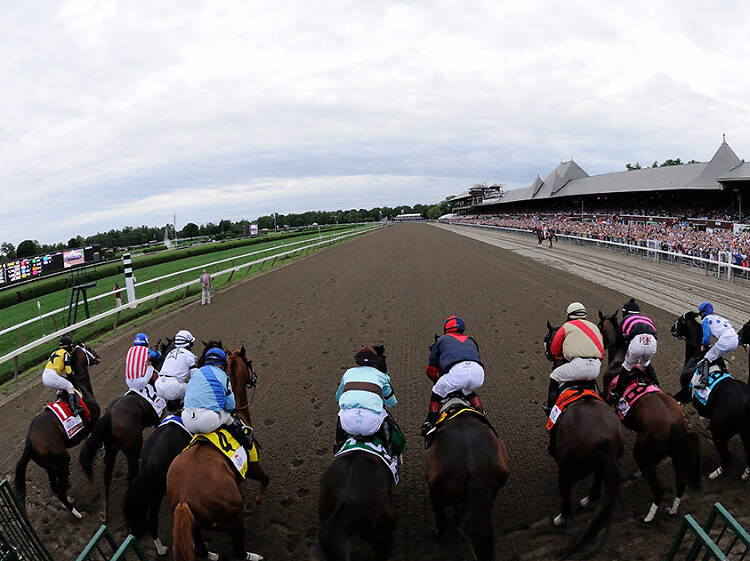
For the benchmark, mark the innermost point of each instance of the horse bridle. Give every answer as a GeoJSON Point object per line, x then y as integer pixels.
{"type": "Point", "coordinates": [91, 359]}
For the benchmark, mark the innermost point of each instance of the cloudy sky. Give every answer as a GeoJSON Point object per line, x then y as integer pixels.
{"type": "Point", "coordinates": [125, 113]}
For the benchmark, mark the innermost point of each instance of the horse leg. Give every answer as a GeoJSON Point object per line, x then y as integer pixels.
{"type": "Point", "coordinates": [382, 546]}
{"type": "Point", "coordinates": [53, 483]}
{"type": "Point", "coordinates": [745, 436]}
{"type": "Point", "coordinates": [110, 455]}
{"type": "Point", "coordinates": [595, 492]}
{"type": "Point", "coordinates": [565, 483]}
{"type": "Point", "coordinates": [256, 473]}
{"type": "Point", "coordinates": [238, 541]}
{"type": "Point", "coordinates": [436, 498]}
{"type": "Point", "coordinates": [153, 521]}
{"type": "Point", "coordinates": [722, 446]}
{"type": "Point", "coordinates": [680, 483]}
{"type": "Point", "coordinates": [62, 468]}
{"type": "Point", "coordinates": [648, 470]}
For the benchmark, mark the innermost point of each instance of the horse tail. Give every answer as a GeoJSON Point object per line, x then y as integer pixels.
{"type": "Point", "coordinates": [605, 457]}
{"type": "Point", "coordinates": [20, 480]}
{"type": "Point", "coordinates": [685, 449]}
{"type": "Point", "coordinates": [478, 518]}
{"type": "Point", "coordinates": [142, 490]}
{"type": "Point", "coordinates": [100, 432]}
{"type": "Point", "coordinates": [183, 529]}
{"type": "Point", "coordinates": [333, 534]}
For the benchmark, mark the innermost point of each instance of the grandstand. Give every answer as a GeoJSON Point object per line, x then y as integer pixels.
{"type": "Point", "coordinates": [709, 194]}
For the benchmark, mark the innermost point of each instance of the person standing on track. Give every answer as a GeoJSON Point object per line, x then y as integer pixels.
{"type": "Point", "coordinates": [178, 365]}
{"type": "Point", "coordinates": [580, 343]}
{"type": "Point", "coordinates": [206, 285]}
{"type": "Point", "coordinates": [139, 370]}
{"type": "Point", "coordinates": [640, 335]}
{"type": "Point", "coordinates": [726, 340]}
{"type": "Point", "coordinates": [454, 365]}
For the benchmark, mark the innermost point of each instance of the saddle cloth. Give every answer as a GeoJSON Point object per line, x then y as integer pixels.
{"type": "Point", "coordinates": [565, 399]}
{"type": "Point", "coordinates": [632, 393]}
{"type": "Point", "coordinates": [225, 443]}
{"type": "Point", "coordinates": [177, 420]}
{"type": "Point", "coordinates": [374, 447]}
{"type": "Point", "coordinates": [149, 394]}
{"type": "Point", "coordinates": [72, 424]}
{"type": "Point", "coordinates": [715, 376]}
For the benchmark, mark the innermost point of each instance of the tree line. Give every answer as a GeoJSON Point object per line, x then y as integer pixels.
{"type": "Point", "coordinates": [656, 164]}
{"type": "Point", "coordinates": [142, 235]}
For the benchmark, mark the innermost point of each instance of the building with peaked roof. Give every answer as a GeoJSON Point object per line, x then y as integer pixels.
{"type": "Point", "coordinates": [713, 186]}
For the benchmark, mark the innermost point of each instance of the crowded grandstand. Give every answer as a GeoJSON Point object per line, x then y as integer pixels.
{"type": "Point", "coordinates": [694, 209]}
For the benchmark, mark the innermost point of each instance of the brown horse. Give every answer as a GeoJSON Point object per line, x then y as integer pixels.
{"type": "Point", "coordinates": [744, 335]}
{"type": "Point", "coordinates": [466, 466]}
{"type": "Point", "coordinates": [203, 489]}
{"type": "Point", "coordinates": [47, 441]}
{"type": "Point", "coordinates": [660, 427]}
{"type": "Point", "coordinates": [588, 439]}
{"type": "Point", "coordinates": [541, 236]}
{"type": "Point", "coordinates": [356, 500]}
{"type": "Point", "coordinates": [120, 428]}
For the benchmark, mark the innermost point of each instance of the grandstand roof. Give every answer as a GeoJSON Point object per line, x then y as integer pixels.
{"type": "Point", "coordinates": [569, 179]}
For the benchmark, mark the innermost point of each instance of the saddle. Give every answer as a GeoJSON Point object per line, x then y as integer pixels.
{"type": "Point", "coordinates": [376, 447]}
{"type": "Point", "coordinates": [230, 448]}
{"type": "Point", "coordinates": [73, 424]}
{"type": "Point", "coordinates": [454, 405]}
{"type": "Point", "coordinates": [571, 392]}
{"type": "Point", "coordinates": [635, 390]}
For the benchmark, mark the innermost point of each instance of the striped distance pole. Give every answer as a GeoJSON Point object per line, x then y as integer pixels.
{"type": "Point", "coordinates": [129, 280]}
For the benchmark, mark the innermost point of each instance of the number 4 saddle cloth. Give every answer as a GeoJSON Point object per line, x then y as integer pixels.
{"type": "Point", "coordinates": [565, 399]}
{"type": "Point", "coordinates": [225, 443]}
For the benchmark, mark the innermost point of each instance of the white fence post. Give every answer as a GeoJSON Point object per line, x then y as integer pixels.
{"type": "Point", "coordinates": [129, 284]}
{"type": "Point", "coordinates": [725, 262]}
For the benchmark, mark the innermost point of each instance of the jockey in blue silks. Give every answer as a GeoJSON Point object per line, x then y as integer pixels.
{"type": "Point", "coordinates": [726, 340]}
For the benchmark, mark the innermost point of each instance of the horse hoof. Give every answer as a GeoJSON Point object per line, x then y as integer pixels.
{"type": "Point", "coordinates": [584, 502]}
{"type": "Point", "coordinates": [161, 549]}
{"type": "Point", "coordinates": [74, 512]}
{"type": "Point", "coordinates": [651, 514]}
{"type": "Point", "coordinates": [212, 556]}
{"type": "Point", "coordinates": [101, 453]}
{"type": "Point", "coordinates": [675, 506]}
{"type": "Point", "coordinates": [253, 557]}
{"type": "Point", "coordinates": [559, 520]}
{"type": "Point", "coordinates": [746, 474]}
{"type": "Point", "coordinates": [716, 473]}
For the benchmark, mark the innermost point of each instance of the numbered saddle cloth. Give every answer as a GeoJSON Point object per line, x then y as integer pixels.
{"type": "Point", "coordinates": [632, 393]}
{"type": "Point", "coordinates": [177, 420]}
{"type": "Point", "coordinates": [715, 376]}
{"type": "Point", "coordinates": [374, 447]}
{"type": "Point", "coordinates": [73, 424]}
{"type": "Point", "coordinates": [149, 394]}
{"type": "Point", "coordinates": [565, 399]}
{"type": "Point", "coordinates": [230, 448]}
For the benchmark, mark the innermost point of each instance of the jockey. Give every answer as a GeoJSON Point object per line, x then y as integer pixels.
{"type": "Point", "coordinates": [726, 340]}
{"type": "Point", "coordinates": [56, 371]}
{"type": "Point", "coordinates": [176, 369]}
{"type": "Point", "coordinates": [544, 230]}
{"type": "Point", "coordinates": [640, 334]}
{"type": "Point", "coordinates": [363, 394]}
{"type": "Point", "coordinates": [209, 400]}
{"type": "Point", "coordinates": [454, 365]}
{"type": "Point", "coordinates": [138, 369]}
{"type": "Point", "coordinates": [580, 343]}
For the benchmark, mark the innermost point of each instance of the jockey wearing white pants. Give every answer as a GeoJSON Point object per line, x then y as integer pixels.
{"type": "Point", "coordinates": [176, 369]}
{"type": "Point", "coordinates": [726, 339]}
{"type": "Point", "coordinates": [466, 376]}
{"type": "Point", "coordinates": [138, 369]}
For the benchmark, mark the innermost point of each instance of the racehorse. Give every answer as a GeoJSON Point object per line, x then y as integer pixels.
{"type": "Point", "coordinates": [356, 500]}
{"type": "Point", "coordinates": [542, 235]}
{"type": "Point", "coordinates": [728, 404]}
{"type": "Point", "coordinates": [660, 427]}
{"type": "Point", "coordinates": [744, 335]}
{"type": "Point", "coordinates": [146, 490]}
{"type": "Point", "coordinates": [47, 441]}
{"type": "Point", "coordinates": [466, 465]}
{"type": "Point", "coordinates": [203, 489]}
{"type": "Point", "coordinates": [120, 428]}
{"type": "Point", "coordinates": [588, 439]}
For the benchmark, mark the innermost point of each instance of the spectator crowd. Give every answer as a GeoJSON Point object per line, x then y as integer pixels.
{"type": "Point", "coordinates": [677, 236]}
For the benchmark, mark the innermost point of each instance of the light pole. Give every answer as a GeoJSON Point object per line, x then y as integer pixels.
{"type": "Point", "coordinates": [274, 223]}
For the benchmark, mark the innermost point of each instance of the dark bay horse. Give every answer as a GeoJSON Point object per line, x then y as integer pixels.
{"type": "Point", "coordinates": [466, 466]}
{"type": "Point", "coordinates": [728, 405]}
{"type": "Point", "coordinates": [47, 441]}
{"type": "Point", "coordinates": [588, 440]}
{"type": "Point", "coordinates": [660, 427]}
{"type": "Point", "coordinates": [120, 428]}
{"type": "Point", "coordinates": [744, 335]}
{"type": "Point", "coordinates": [203, 489]}
{"type": "Point", "coordinates": [541, 236]}
{"type": "Point", "coordinates": [356, 500]}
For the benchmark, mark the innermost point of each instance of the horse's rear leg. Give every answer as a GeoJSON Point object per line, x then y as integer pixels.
{"type": "Point", "coordinates": [436, 497]}
{"type": "Point", "coordinates": [110, 455]}
{"type": "Point", "coordinates": [680, 483]}
{"type": "Point", "coordinates": [62, 470]}
{"type": "Point", "coordinates": [153, 521]}
{"type": "Point", "coordinates": [648, 470]}
{"type": "Point", "coordinates": [722, 447]}
{"type": "Point", "coordinates": [595, 492]}
{"type": "Point", "coordinates": [745, 436]}
{"type": "Point", "coordinates": [565, 483]}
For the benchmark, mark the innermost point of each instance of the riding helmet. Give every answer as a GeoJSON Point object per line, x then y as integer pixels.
{"type": "Point", "coordinates": [454, 324]}
{"type": "Point", "coordinates": [184, 339]}
{"type": "Point", "coordinates": [216, 357]}
{"type": "Point", "coordinates": [706, 308]}
{"type": "Point", "coordinates": [631, 307]}
{"type": "Point", "coordinates": [366, 356]}
{"type": "Point", "coordinates": [66, 342]}
{"type": "Point", "coordinates": [141, 340]}
{"type": "Point", "coordinates": [576, 311]}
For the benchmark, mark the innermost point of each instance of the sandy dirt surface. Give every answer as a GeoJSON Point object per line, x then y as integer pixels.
{"type": "Point", "coordinates": [301, 325]}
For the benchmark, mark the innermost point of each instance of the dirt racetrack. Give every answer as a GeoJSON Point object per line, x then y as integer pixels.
{"type": "Point", "coordinates": [301, 325]}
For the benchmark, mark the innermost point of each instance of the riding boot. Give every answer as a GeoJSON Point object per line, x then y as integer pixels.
{"type": "Point", "coordinates": [475, 402]}
{"type": "Point", "coordinates": [552, 394]}
{"type": "Point", "coordinates": [623, 379]}
{"type": "Point", "coordinates": [651, 373]}
{"type": "Point", "coordinates": [341, 436]}
{"type": "Point", "coordinates": [433, 414]}
{"type": "Point", "coordinates": [385, 433]}
{"type": "Point", "coordinates": [174, 405]}
{"type": "Point", "coordinates": [242, 433]}
{"type": "Point", "coordinates": [703, 368]}
{"type": "Point", "coordinates": [75, 404]}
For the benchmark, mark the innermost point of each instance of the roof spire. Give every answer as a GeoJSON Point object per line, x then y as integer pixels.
{"type": "Point", "coordinates": [723, 138]}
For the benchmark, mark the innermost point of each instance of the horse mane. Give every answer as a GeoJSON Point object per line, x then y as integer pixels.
{"type": "Point", "coordinates": [211, 344]}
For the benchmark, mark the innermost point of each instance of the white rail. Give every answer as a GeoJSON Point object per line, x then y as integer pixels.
{"type": "Point", "coordinates": [182, 286]}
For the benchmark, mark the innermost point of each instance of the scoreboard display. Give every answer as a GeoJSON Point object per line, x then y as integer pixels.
{"type": "Point", "coordinates": [33, 267]}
